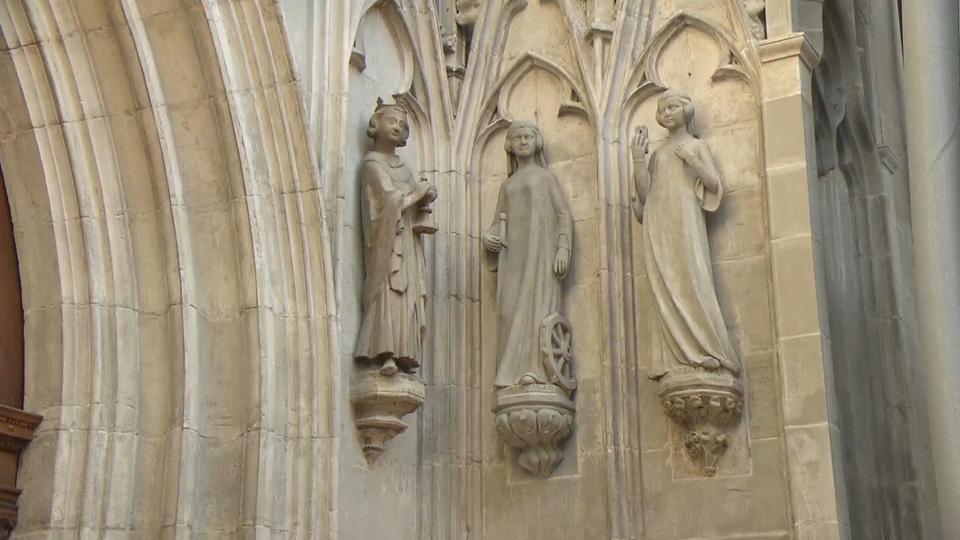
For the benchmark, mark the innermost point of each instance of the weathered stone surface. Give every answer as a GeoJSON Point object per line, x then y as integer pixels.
{"type": "Point", "coordinates": [184, 181]}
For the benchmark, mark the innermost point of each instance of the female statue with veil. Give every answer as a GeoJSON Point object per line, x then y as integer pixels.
{"type": "Point", "coordinates": [674, 188]}
{"type": "Point", "coordinates": [529, 246]}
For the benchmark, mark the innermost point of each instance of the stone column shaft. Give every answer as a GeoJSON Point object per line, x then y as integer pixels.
{"type": "Point", "coordinates": [931, 48]}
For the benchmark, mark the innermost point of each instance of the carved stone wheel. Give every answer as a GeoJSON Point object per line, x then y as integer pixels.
{"type": "Point", "coordinates": [556, 343]}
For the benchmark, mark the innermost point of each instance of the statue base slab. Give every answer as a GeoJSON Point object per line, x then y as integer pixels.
{"type": "Point", "coordinates": [706, 404]}
{"type": "Point", "coordinates": [379, 403]}
{"type": "Point", "coordinates": [537, 419]}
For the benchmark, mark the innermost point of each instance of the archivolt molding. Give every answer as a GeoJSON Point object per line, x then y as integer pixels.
{"type": "Point", "coordinates": [91, 226]}
{"type": "Point", "coordinates": [178, 312]}
{"type": "Point", "coordinates": [281, 182]}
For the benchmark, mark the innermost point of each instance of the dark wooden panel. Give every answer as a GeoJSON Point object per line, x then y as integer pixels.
{"type": "Point", "coordinates": [11, 311]}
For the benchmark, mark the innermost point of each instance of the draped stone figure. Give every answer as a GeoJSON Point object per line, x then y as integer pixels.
{"type": "Point", "coordinates": [529, 246]}
{"type": "Point", "coordinates": [674, 188]}
{"type": "Point", "coordinates": [395, 213]}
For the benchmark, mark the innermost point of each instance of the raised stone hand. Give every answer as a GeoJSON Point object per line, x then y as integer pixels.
{"type": "Point", "coordinates": [420, 194]}
{"type": "Point", "coordinates": [640, 144]}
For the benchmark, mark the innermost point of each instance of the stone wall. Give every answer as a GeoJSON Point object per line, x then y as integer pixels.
{"type": "Point", "coordinates": [861, 203]}
{"type": "Point", "coordinates": [187, 218]}
{"type": "Point", "coordinates": [175, 265]}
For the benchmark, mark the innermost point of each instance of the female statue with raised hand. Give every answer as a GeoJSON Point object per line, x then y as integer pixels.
{"type": "Point", "coordinates": [393, 208]}
{"type": "Point", "coordinates": [529, 245]}
{"type": "Point", "coordinates": [674, 188]}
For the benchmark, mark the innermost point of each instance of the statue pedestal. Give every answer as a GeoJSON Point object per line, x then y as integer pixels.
{"type": "Point", "coordinates": [379, 404]}
{"type": "Point", "coordinates": [16, 431]}
{"type": "Point", "coordinates": [537, 419]}
{"type": "Point", "coordinates": [705, 404]}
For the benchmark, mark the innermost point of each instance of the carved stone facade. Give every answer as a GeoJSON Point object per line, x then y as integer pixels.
{"type": "Point", "coordinates": [529, 246]}
{"type": "Point", "coordinates": [252, 309]}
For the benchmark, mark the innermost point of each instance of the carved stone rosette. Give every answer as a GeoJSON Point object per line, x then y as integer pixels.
{"type": "Point", "coordinates": [379, 403]}
{"type": "Point", "coordinates": [537, 418]}
{"type": "Point", "coordinates": [706, 405]}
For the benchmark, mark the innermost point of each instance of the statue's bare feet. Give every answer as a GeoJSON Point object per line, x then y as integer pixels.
{"type": "Point", "coordinates": [389, 368]}
{"type": "Point", "coordinates": [527, 379]}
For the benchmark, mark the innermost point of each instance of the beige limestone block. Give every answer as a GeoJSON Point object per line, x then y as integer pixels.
{"type": "Point", "coordinates": [137, 85]}
{"type": "Point", "coordinates": [783, 147]}
{"type": "Point", "coordinates": [804, 399]}
{"type": "Point", "coordinates": [540, 28]}
{"type": "Point", "coordinates": [576, 176]}
{"type": "Point", "coordinates": [35, 510]}
{"type": "Point", "coordinates": [565, 142]}
{"type": "Point", "coordinates": [158, 360]}
{"type": "Point", "coordinates": [743, 292]}
{"type": "Point", "coordinates": [584, 314]}
{"type": "Point", "coordinates": [727, 102]}
{"type": "Point", "coordinates": [39, 269]}
{"type": "Point", "coordinates": [763, 390]}
{"type": "Point", "coordinates": [735, 150]}
{"type": "Point", "coordinates": [179, 67]}
{"type": "Point", "coordinates": [688, 59]}
{"type": "Point", "coordinates": [585, 260]}
{"type": "Point", "coordinates": [784, 78]}
{"type": "Point", "coordinates": [217, 297]}
{"type": "Point", "coordinates": [656, 426]}
{"type": "Point", "coordinates": [201, 181]}
{"type": "Point", "coordinates": [736, 230]}
{"type": "Point", "coordinates": [811, 474]}
{"type": "Point", "coordinates": [820, 531]}
{"type": "Point", "coordinates": [135, 170]}
{"type": "Point", "coordinates": [56, 164]}
{"type": "Point", "coordinates": [42, 109]}
{"type": "Point", "coordinates": [15, 118]}
{"type": "Point", "coordinates": [794, 286]}
{"type": "Point", "coordinates": [70, 249]}
{"type": "Point", "coordinates": [110, 72]}
{"type": "Point", "coordinates": [43, 336]}
{"type": "Point", "coordinates": [789, 201]}
{"type": "Point", "coordinates": [762, 496]}
{"type": "Point", "coordinates": [93, 15]}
